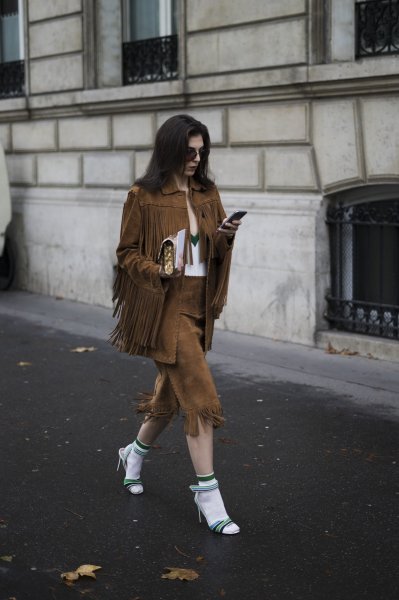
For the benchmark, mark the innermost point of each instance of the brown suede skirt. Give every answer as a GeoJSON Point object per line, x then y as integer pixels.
{"type": "Point", "coordinates": [186, 385]}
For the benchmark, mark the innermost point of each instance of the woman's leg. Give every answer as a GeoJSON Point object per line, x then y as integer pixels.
{"type": "Point", "coordinates": [148, 433]}
{"type": "Point", "coordinates": [208, 499]}
{"type": "Point", "coordinates": [151, 429]}
{"type": "Point", "coordinates": [201, 449]}
{"type": "Point", "coordinates": [138, 450]}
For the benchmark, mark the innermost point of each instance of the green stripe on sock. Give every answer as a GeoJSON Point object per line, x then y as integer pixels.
{"type": "Point", "coordinates": [141, 445]}
{"type": "Point", "coordinates": [206, 477]}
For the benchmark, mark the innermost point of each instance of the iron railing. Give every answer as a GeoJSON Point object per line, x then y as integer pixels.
{"type": "Point", "coordinates": [364, 244]}
{"type": "Point", "coordinates": [150, 60]}
{"type": "Point", "coordinates": [377, 27]}
{"type": "Point", "coordinates": [12, 79]}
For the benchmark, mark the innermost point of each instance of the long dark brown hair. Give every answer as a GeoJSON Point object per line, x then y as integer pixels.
{"type": "Point", "coordinates": [169, 154]}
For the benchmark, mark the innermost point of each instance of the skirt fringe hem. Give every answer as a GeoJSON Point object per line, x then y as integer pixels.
{"type": "Point", "coordinates": [212, 414]}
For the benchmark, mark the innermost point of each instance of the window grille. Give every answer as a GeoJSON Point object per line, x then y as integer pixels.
{"type": "Point", "coordinates": [150, 60]}
{"type": "Point", "coordinates": [377, 27]}
{"type": "Point", "coordinates": [364, 244]}
{"type": "Point", "coordinates": [150, 48]}
{"type": "Point", "coordinates": [12, 79]}
{"type": "Point", "coordinates": [12, 68]}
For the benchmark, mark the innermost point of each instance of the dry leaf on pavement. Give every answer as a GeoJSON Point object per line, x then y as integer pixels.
{"type": "Point", "coordinates": [70, 576]}
{"type": "Point", "coordinates": [87, 570]}
{"type": "Point", "coordinates": [182, 574]}
{"type": "Point", "coordinates": [24, 363]}
{"type": "Point", "coordinates": [6, 558]}
{"type": "Point", "coordinates": [83, 349]}
{"type": "Point", "coordinates": [226, 440]}
{"type": "Point", "coordinates": [344, 352]}
{"type": "Point", "coordinates": [83, 570]}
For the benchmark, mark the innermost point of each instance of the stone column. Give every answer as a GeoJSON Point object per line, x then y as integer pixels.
{"type": "Point", "coordinates": [109, 43]}
{"type": "Point", "coordinates": [342, 43]}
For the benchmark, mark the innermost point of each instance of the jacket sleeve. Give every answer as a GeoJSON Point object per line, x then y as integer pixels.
{"type": "Point", "coordinates": [143, 271]}
{"type": "Point", "coordinates": [223, 244]}
{"type": "Point", "coordinates": [138, 293]}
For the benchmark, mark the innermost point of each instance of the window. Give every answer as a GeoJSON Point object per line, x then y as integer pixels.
{"type": "Point", "coordinates": [150, 41]}
{"type": "Point", "coordinates": [364, 239]}
{"type": "Point", "coordinates": [12, 77]}
{"type": "Point", "coordinates": [377, 27]}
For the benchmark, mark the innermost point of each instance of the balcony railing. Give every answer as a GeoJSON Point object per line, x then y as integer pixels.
{"type": "Point", "coordinates": [377, 27]}
{"type": "Point", "coordinates": [12, 79]}
{"type": "Point", "coordinates": [150, 60]}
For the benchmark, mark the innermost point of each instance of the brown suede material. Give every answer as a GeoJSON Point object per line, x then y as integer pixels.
{"type": "Point", "coordinates": [148, 315]}
{"type": "Point", "coordinates": [187, 384]}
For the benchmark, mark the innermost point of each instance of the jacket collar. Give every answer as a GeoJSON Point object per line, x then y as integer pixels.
{"type": "Point", "coordinates": [171, 187]}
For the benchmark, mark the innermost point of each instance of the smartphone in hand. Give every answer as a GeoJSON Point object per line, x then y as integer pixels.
{"type": "Point", "coordinates": [237, 215]}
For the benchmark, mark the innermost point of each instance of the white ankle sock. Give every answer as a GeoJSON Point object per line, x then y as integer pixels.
{"type": "Point", "coordinates": [135, 459]}
{"type": "Point", "coordinates": [212, 503]}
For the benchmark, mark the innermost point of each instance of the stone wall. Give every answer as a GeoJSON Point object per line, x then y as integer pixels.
{"type": "Point", "coordinates": [286, 134]}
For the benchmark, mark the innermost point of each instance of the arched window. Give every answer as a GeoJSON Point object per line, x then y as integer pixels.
{"type": "Point", "coordinates": [150, 46]}
{"type": "Point", "coordinates": [364, 243]}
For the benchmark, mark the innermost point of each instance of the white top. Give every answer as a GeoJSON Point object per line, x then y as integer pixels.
{"type": "Point", "coordinates": [197, 269]}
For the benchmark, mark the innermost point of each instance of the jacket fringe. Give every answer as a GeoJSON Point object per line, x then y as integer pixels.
{"type": "Point", "coordinates": [158, 223]}
{"type": "Point", "coordinates": [139, 315]}
{"type": "Point", "coordinates": [220, 298]}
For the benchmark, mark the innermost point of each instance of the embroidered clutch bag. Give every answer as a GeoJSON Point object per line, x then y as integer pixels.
{"type": "Point", "coordinates": [171, 253]}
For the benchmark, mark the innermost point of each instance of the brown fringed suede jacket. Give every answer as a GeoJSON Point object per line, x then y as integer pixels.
{"type": "Point", "coordinates": [148, 319]}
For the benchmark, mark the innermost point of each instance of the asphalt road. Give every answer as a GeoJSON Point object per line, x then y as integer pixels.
{"type": "Point", "coordinates": [307, 465]}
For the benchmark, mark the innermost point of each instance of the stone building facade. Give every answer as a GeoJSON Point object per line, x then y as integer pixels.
{"type": "Point", "coordinates": [298, 122]}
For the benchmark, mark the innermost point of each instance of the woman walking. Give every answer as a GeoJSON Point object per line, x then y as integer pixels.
{"type": "Point", "coordinates": [170, 318]}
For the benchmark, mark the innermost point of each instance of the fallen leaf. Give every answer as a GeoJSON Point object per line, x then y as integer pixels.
{"type": "Point", "coordinates": [200, 559]}
{"type": "Point", "coordinates": [7, 558]}
{"type": "Point", "coordinates": [371, 457]}
{"type": "Point", "coordinates": [23, 363]}
{"type": "Point", "coordinates": [344, 352]}
{"type": "Point", "coordinates": [70, 576]}
{"type": "Point", "coordinates": [84, 349]}
{"type": "Point", "coordinates": [87, 570]}
{"type": "Point", "coordinates": [182, 574]}
{"type": "Point", "coordinates": [227, 441]}
{"type": "Point", "coordinates": [83, 570]}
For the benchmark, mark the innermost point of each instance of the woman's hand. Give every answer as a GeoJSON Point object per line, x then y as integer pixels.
{"type": "Point", "coordinates": [229, 229]}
